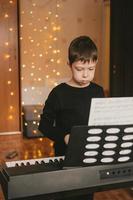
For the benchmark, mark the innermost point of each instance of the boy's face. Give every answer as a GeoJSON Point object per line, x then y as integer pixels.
{"type": "Point", "coordinates": [83, 72]}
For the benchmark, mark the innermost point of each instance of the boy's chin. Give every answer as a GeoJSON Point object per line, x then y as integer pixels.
{"type": "Point", "coordinates": [83, 83]}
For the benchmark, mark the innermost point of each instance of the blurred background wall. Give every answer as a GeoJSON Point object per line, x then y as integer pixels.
{"type": "Point", "coordinates": [35, 35]}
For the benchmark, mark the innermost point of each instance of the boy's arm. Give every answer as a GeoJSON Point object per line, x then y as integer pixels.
{"type": "Point", "coordinates": [101, 92]}
{"type": "Point", "coordinates": [48, 118]}
{"type": "Point", "coordinates": [46, 126]}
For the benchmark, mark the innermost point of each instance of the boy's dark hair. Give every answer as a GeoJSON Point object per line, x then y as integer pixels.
{"type": "Point", "coordinates": [82, 48]}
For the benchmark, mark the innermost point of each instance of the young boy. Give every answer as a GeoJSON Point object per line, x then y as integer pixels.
{"type": "Point", "coordinates": [68, 104]}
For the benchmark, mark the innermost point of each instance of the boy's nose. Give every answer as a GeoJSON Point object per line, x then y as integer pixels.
{"type": "Point", "coordinates": [85, 73]}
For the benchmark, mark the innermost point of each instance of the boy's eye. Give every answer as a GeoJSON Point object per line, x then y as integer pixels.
{"type": "Point", "coordinates": [79, 69]}
{"type": "Point", "coordinates": [91, 68]}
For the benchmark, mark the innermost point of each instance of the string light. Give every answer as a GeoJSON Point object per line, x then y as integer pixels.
{"type": "Point", "coordinates": [9, 82]}
{"type": "Point", "coordinates": [10, 117]}
{"type": "Point", "coordinates": [10, 69]}
{"type": "Point", "coordinates": [6, 43]}
{"type": "Point", "coordinates": [25, 89]}
{"type": "Point", "coordinates": [11, 107]}
{"type": "Point", "coordinates": [7, 56]}
{"type": "Point", "coordinates": [6, 15]}
{"type": "Point", "coordinates": [10, 29]}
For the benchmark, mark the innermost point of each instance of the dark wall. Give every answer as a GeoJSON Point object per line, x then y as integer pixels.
{"type": "Point", "coordinates": [121, 48]}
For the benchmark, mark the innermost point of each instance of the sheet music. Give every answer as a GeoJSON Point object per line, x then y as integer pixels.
{"type": "Point", "coordinates": [111, 111]}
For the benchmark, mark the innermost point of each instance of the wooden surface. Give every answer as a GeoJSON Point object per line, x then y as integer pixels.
{"type": "Point", "coordinates": [40, 148]}
{"type": "Point", "coordinates": [9, 69]}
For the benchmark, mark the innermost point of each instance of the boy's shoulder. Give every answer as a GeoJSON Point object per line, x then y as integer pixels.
{"type": "Point", "coordinates": [59, 87]}
{"type": "Point", "coordinates": [56, 91]}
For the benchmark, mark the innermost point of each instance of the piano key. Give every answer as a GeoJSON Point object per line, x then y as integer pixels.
{"type": "Point", "coordinates": [32, 161]}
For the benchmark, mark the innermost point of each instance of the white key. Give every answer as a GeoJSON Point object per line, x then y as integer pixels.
{"type": "Point", "coordinates": [32, 161]}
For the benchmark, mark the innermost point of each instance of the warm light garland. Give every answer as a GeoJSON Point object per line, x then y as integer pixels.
{"type": "Point", "coordinates": [42, 46]}
{"type": "Point", "coordinates": [47, 50]}
{"type": "Point", "coordinates": [7, 56]}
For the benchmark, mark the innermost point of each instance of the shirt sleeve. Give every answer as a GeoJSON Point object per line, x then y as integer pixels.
{"type": "Point", "coordinates": [99, 92]}
{"type": "Point", "coordinates": [47, 123]}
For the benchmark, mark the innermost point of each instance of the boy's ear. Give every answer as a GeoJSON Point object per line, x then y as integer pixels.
{"type": "Point", "coordinates": [96, 61]}
{"type": "Point", "coordinates": [68, 63]}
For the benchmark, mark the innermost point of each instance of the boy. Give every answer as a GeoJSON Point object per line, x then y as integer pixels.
{"type": "Point", "coordinates": [68, 104]}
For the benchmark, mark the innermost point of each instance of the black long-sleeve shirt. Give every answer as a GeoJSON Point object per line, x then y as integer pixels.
{"type": "Point", "coordinates": [66, 106]}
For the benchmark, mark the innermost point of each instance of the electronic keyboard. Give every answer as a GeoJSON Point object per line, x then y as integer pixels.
{"type": "Point", "coordinates": [100, 159]}
{"type": "Point", "coordinates": [47, 178]}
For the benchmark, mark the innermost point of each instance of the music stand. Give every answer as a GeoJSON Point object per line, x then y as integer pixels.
{"type": "Point", "coordinates": [99, 145]}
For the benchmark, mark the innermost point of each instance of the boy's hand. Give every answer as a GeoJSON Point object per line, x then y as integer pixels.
{"type": "Point", "coordinates": [66, 138]}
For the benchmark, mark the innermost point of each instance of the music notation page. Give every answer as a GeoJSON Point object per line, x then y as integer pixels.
{"type": "Point", "coordinates": [111, 111]}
